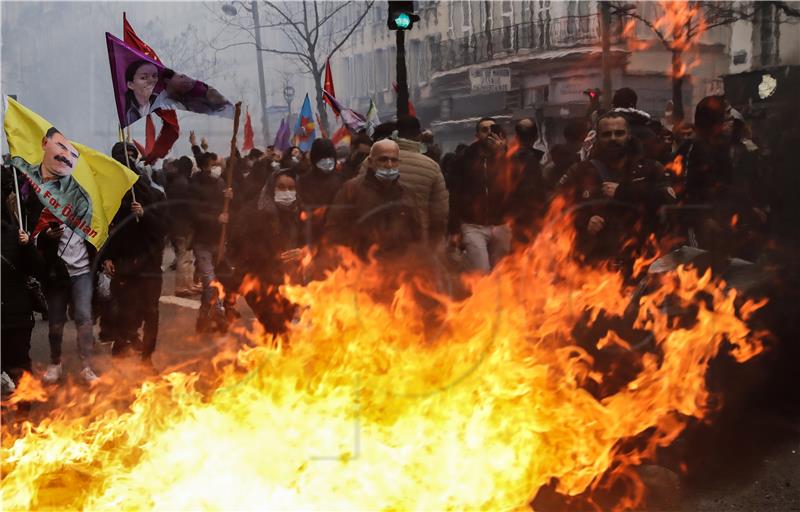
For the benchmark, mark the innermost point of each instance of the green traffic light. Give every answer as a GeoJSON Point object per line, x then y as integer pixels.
{"type": "Point", "coordinates": [402, 20]}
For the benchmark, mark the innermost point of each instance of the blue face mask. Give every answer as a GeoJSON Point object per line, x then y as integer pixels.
{"type": "Point", "coordinates": [387, 175]}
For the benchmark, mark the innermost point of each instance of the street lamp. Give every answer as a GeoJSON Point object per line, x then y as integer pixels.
{"type": "Point", "coordinates": [230, 10]}
{"type": "Point", "coordinates": [288, 95]}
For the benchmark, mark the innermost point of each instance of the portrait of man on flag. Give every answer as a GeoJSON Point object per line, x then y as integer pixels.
{"type": "Point", "coordinates": [53, 182]}
{"type": "Point", "coordinates": [143, 85]}
{"type": "Point", "coordinates": [78, 185]}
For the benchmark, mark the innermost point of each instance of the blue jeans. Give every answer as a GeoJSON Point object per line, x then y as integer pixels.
{"type": "Point", "coordinates": [204, 260]}
{"type": "Point", "coordinates": [80, 293]}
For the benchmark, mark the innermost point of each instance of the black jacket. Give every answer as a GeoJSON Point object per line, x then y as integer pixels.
{"type": "Point", "coordinates": [208, 194]}
{"type": "Point", "coordinates": [133, 246]}
{"type": "Point", "coordinates": [18, 262]}
{"type": "Point", "coordinates": [481, 188]}
{"type": "Point", "coordinates": [630, 216]}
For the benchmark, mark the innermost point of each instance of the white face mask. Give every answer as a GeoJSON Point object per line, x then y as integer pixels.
{"type": "Point", "coordinates": [216, 171]}
{"type": "Point", "coordinates": [285, 197]}
{"type": "Point", "coordinates": [326, 164]}
{"type": "Point", "coordinates": [275, 165]}
{"type": "Point", "coordinates": [387, 174]}
{"type": "Point", "coordinates": [296, 159]}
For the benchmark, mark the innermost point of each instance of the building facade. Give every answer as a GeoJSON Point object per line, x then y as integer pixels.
{"type": "Point", "coordinates": [510, 59]}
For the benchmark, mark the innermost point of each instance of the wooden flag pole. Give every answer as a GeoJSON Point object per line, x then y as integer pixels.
{"type": "Point", "coordinates": [128, 163]}
{"type": "Point", "coordinates": [19, 204]}
{"type": "Point", "coordinates": [229, 180]}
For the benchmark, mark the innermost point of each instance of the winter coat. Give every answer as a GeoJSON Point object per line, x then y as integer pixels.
{"type": "Point", "coordinates": [138, 246]}
{"type": "Point", "coordinates": [423, 177]}
{"type": "Point", "coordinates": [208, 195]}
{"type": "Point", "coordinates": [369, 212]}
{"type": "Point", "coordinates": [480, 189]}
{"type": "Point", "coordinates": [632, 214]}
{"type": "Point", "coordinates": [19, 261]}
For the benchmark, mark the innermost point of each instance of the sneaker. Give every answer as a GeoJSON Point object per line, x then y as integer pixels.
{"type": "Point", "coordinates": [88, 375]}
{"type": "Point", "coordinates": [53, 374]}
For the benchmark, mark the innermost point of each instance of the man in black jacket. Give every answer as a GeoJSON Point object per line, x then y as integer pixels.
{"type": "Point", "coordinates": [617, 194]}
{"type": "Point", "coordinates": [208, 191]}
{"type": "Point", "coordinates": [20, 259]}
{"type": "Point", "coordinates": [133, 260]}
{"type": "Point", "coordinates": [480, 199]}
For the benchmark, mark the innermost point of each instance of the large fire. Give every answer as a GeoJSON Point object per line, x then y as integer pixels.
{"type": "Point", "coordinates": [364, 406]}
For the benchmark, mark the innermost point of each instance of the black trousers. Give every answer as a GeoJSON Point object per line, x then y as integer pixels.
{"type": "Point", "coordinates": [137, 298]}
{"type": "Point", "coordinates": [16, 340]}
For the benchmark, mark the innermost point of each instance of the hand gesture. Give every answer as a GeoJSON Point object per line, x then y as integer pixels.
{"type": "Point", "coordinates": [223, 218]}
{"type": "Point", "coordinates": [609, 189]}
{"type": "Point", "coordinates": [192, 138]}
{"type": "Point", "coordinates": [596, 223]}
{"type": "Point", "coordinates": [291, 255]}
{"type": "Point", "coordinates": [24, 238]}
{"type": "Point", "coordinates": [137, 209]}
{"type": "Point", "coordinates": [228, 193]}
{"type": "Point", "coordinates": [108, 268]}
{"type": "Point", "coordinates": [204, 144]}
{"type": "Point", "coordinates": [55, 233]}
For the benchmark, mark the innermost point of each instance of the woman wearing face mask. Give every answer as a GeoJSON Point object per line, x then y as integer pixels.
{"type": "Point", "coordinates": [266, 244]}
{"type": "Point", "coordinates": [318, 184]}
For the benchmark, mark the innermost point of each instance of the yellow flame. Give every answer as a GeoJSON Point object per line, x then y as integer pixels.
{"type": "Point", "coordinates": [361, 407]}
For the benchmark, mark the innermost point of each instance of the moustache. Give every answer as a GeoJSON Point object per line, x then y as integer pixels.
{"type": "Point", "coordinates": [63, 160]}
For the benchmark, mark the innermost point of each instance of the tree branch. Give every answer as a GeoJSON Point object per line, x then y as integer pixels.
{"type": "Point", "coordinates": [350, 32]}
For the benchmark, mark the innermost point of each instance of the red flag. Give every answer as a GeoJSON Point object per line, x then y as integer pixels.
{"type": "Point", "coordinates": [247, 145]}
{"type": "Point", "coordinates": [149, 135]}
{"type": "Point", "coordinates": [170, 130]}
{"type": "Point", "coordinates": [328, 87]}
{"type": "Point", "coordinates": [411, 110]}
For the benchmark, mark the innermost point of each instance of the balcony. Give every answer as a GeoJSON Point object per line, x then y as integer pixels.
{"type": "Point", "coordinates": [520, 39]}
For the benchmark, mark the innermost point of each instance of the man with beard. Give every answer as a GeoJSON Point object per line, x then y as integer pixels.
{"type": "Point", "coordinates": [617, 195]}
{"type": "Point", "coordinates": [480, 199]}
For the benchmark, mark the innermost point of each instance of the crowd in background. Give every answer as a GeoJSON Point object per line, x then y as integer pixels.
{"type": "Point", "coordinates": [390, 196]}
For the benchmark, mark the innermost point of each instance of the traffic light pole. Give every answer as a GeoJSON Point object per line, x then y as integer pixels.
{"type": "Point", "coordinates": [402, 79]}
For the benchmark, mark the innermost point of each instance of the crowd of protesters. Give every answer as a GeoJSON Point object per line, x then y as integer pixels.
{"type": "Point", "coordinates": [626, 177]}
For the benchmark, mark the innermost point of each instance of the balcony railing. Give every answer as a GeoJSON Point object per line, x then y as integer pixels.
{"type": "Point", "coordinates": [522, 38]}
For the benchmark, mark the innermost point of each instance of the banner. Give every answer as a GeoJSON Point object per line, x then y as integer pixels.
{"type": "Point", "coordinates": [372, 118]}
{"type": "Point", "coordinates": [305, 130]}
{"type": "Point", "coordinates": [282, 137]}
{"type": "Point", "coordinates": [352, 119]}
{"type": "Point", "coordinates": [247, 144]}
{"type": "Point", "coordinates": [143, 85]}
{"type": "Point", "coordinates": [155, 148]}
{"type": "Point", "coordinates": [81, 187]}
{"type": "Point", "coordinates": [328, 87]}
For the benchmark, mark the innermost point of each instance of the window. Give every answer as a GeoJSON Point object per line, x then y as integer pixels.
{"type": "Point", "coordinates": [768, 34]}
{"type": "Point", "coordinates": [508, 13]}
{"type": "Point", "coordinates": [466, 17]}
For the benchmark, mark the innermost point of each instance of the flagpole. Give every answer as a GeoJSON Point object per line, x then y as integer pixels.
{"type": "Point", "coordinates": [19, 204]}
{"type": "Point", "coordinates": [128, 163]}
{"type": "Point", "coordinates": [229, 178]}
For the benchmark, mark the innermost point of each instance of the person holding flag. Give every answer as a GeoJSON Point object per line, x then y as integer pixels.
{"type": "Point", "coordinates": [76, 190]}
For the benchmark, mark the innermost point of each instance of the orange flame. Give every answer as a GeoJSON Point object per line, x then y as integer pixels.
{"type": "Point", "coordinates": [370, 408]}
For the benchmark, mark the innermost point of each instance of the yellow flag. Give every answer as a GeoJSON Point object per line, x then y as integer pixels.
{"type": "Point", "coordinates": [88, 186]}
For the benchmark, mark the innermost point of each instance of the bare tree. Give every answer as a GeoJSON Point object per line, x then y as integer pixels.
{"type": "Point", "coordinates": [681, 24]}
{"type": "Point", "coordinates": [308, 28]}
